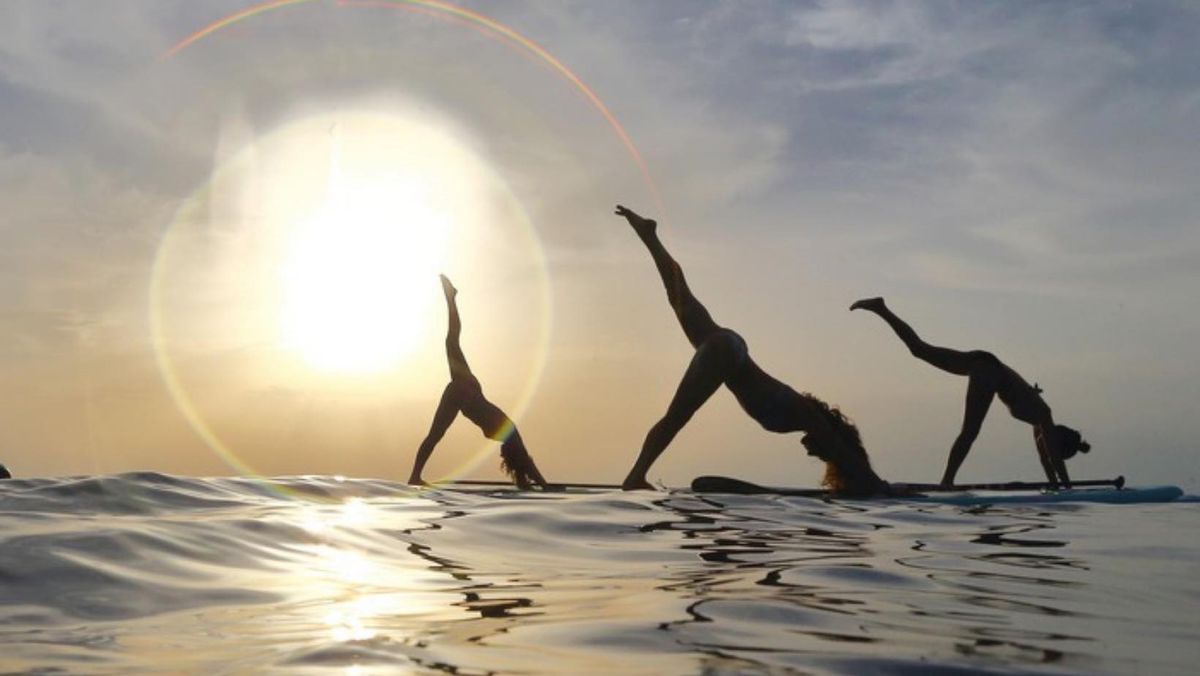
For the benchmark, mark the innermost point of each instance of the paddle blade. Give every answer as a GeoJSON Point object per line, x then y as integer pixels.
{"type": "Point", "coordinates": [724, 484]}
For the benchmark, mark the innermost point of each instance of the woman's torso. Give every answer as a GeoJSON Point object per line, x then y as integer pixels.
{"type": "Point", "coordinates": [770, 402]}
{"type": "Point", "coordinates": [1023, 400]}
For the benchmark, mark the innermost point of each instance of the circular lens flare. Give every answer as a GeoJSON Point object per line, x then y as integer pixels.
{"type": "Point", "coordinates": [313, 253]}
{"type": "Point", "coordinates": [300, 326]}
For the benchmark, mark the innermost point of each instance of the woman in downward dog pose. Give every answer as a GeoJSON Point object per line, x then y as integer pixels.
{"type": "Point", "coordinates": [722, 358]}
{"type": "Point", "coordinates": [465, 394]}
{"type": "Point", "coordinates": [988, 377]}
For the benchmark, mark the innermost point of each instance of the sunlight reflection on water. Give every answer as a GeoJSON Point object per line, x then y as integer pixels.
{"type": "Point", "coordinates": [370, 577]}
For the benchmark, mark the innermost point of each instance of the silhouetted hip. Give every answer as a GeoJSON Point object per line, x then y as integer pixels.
{"type": "Point", "coordinates": [768, 401]}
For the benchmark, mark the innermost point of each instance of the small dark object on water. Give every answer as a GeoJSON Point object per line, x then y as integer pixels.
{"type": "Point", "coordinates": [4, 473]}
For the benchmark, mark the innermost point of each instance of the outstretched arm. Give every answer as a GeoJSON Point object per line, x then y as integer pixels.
{"type": "Point", "coordinates": [1047, 465]}
{"type": "Point", "coordinates": [1061, 466]}
{"type": "Point", "coordinates": [692, 315]}
{"type": "Point", "coordinates": [1048, 452]}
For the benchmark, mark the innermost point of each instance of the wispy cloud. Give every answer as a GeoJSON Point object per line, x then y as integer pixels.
{"type": "Point", "coordinates": [1043, 153]}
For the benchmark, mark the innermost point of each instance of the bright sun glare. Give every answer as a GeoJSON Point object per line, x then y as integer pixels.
{"type": "Point", "coordinates": [358, 277]}
{"type": "Point", "coordinates": [307, 267]}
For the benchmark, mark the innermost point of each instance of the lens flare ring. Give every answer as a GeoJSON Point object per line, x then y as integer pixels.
{"type": "Point", "coordinates": [176, 265]}
{"type": "Point", "coordinates": [442, 10]}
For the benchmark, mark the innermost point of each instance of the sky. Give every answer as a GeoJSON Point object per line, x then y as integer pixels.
{"type": "Point", "coordinates": [219, 255]}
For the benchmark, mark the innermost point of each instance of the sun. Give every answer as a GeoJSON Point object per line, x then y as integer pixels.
{"type": "Point", "coordinates": [357, 278]}
{"type": "Point", "coordinates": [303, 273]}
{"type": "Point", "coordinates": [369, 205]}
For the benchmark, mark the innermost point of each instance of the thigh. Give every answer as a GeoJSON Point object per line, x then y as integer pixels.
{"type": "Point", "coordinates": [980, 392]}
{"type": "Point", "coordinates": [447, 410]}
{"type": "Point", "coordinates": [715, 360]}
{"type": "Point", "coordinates": [697, 323]}
{"type": "Point", "coordinates": [952, 361]}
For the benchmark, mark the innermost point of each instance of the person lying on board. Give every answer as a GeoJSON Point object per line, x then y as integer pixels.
{"type": "Point", "coordinates": [722, 358]}
{"type": "Point", "coordinates": [987, 378]}
{"type": "Point", "coordinates": [465, 394]}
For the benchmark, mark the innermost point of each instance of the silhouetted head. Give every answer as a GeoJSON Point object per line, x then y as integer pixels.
{"type": "Point", "coordinates": [847, 465]}
{"type": "Point", "coordinates": [1070, 442]}
{"type": "Point", "coordinates": [516, 463]}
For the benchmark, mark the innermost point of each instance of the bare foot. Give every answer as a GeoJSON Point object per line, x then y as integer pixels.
{"type": "Point", "coordinates": [447, 287]}
{"type": "Point", "coordinates": [644, 227]}
{"type": "Point", "coordinates": [416, 481]}
{"type": "Point", "coordinates": [636, 485]}
{"type": "Point", "coordinates": [873, 304]}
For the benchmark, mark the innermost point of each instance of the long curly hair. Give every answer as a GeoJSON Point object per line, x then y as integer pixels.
{"type": "Point", "coordinates": [846, 475]}
{"type": "Point", "coordinates": [516, 463]}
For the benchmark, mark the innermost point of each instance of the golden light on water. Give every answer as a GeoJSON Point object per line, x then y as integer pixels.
{"type": "Point", "coordinates": [347, 627]}
{"type": "Point", "coordinates": [349, 566]}
{"type": "Point", "coordinates": [352, 513]}
{"type": "Point", "coordinates": [372, 589]}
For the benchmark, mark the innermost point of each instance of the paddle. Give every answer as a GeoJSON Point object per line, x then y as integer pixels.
{"type": "Point", "coordinates": [1118, 482]}
{"type": "Point", "coordinates": [724, 484]}
{"type": "Point", "coordinates": [552, 487]}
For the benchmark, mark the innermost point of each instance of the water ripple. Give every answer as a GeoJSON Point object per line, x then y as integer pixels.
{"type": "Point", "coordinates": [150, 572]}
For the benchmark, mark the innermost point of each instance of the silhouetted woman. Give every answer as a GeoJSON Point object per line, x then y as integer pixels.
{"type": "Point", "coordinates": [988, 377]}
{"type": "Point", "coordinates": [722, 358]}
{"type": "Point", "coordinates": [464, 394]}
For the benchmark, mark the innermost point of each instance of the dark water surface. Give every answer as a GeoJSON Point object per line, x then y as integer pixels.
{"type": "Point", "coordinates": [149, 573]}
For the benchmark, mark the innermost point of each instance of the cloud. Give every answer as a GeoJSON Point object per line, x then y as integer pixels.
{"type": "Point", "coordinates": [1042, 154]}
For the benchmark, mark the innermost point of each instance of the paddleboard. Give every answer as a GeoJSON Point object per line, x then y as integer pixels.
{"type": "Point", "coordinates": [507, 486]}
{"type": "Point", "coordinates": [1107, 495]}
{"type": "Point", "coordinates": [1112, 496]}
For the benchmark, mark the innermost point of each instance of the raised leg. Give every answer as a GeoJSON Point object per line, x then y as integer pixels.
{"type": "Point", "coordinates": [952, 361]}
{"type": "Point", "coordinates": [447, 409]}
{"type": "Point", "coordinates": [713, 362]}
{"type": "Point", "coordinates": [979, 400]}
{"type": "Point", "coordinates": [697, 324]}
{"type": "Point", "coordinates": [454, 354]}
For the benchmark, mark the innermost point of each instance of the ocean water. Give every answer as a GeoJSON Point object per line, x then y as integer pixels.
{"type": "Point", "coordinates": [150, 573]}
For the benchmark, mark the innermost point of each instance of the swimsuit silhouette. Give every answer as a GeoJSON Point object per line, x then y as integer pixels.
{"type": "Point", "coordinates": [465, 394]}
{"type": "Point", "coordinates": [722, 358]}
{"type": "Point", "coordinates": [987, 378]}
